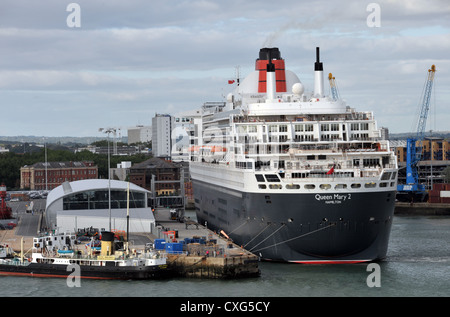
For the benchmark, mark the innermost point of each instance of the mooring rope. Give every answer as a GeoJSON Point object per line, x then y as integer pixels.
{"type": "Point", "coordinates": [257, 235]}
{"type": "Point", "coordinates": [288, 240]}
{"type": "Point", "coordinates": [268, 237]}
{"type": "Point", "coordinates": [238, 227]}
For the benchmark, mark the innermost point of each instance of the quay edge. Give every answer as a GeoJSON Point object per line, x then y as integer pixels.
{"type": "Point", "coordinates": [232, 267]}
{"type": "Point", "coordinates": [421, 209]}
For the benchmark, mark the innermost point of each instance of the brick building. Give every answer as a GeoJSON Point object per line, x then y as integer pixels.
{"type": "Point", "coordinates": [41, 176]}
{"type": "Point", "coordinates": [434, 149]}
{"type": "Point", "coordinates": [166, 176]}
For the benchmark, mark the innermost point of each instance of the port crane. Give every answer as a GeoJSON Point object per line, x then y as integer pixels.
{"type": "Point", "coordinates": [413, 189]}
{"type": "Point", "coordinates": [333, 86]}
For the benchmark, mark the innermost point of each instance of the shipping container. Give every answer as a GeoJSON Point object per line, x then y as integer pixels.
{"type": "Point", "coordinates": [445, 200]}
{"type": "Point", "coordinates": [160, 244]}
{"type": "Point", "coordinates": [445, 194]}
{"type": "Point", "coordinates": [174, 248]}
{"type": "Point", "coordinates": [434, 200]}
{"type": "Point", "coordinates": [434, 193]}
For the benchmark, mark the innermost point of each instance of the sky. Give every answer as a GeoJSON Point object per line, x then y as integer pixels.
{"type": "Point", "coordinates": [68, 70]}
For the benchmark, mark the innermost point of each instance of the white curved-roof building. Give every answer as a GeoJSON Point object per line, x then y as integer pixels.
{"type": "Point", "coordinates": [85, 203]}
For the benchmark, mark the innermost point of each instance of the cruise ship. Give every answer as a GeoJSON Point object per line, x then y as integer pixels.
{"type": "Point", "coordinates": [291, 175]}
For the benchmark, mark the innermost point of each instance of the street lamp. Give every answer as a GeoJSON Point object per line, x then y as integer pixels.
{"type": "Point", "coordinates": [108, 131]}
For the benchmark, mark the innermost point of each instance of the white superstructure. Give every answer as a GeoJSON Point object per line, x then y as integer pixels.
{"type": "Point", "coordinates": [291, 140]}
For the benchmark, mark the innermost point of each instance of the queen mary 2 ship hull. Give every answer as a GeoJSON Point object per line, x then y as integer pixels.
{"type": "Point", "coordinates": [294, 176]}
{"type": "Point", "coordinates": [341, 227]}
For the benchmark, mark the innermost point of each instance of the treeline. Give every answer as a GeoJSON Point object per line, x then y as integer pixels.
{"type": "Point", "coordinates": [10, 163]}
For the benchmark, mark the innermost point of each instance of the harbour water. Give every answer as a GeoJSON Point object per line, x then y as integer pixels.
{"type": "Point", "coordinates": [418, 265]}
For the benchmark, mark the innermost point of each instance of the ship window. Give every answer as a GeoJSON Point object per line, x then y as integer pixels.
{"type": "Point", "coordinates": [299, 175]}
{"type": "Point", "coordinates": [325, 186]}
{"type": "Point", "coordinates": [356, 185]}
{"type": "Point", "coordinates": [383, 184]}
{"type": "Point", "coordinates": [259, 178]}
{"type": "Point", "coordinates": [310, 186]}
{"type": "Point", "coordinates": [371, 162]}
{"type": "Point", "coordinates": [340, 186]}
{"type": "Point", "coordinates": [262, 186]}
{"type": "Point", "coordinates": [309, 127]}
{"type": "Point", "coordinates": [275, 186]}
{"type": "Point", "coordinates": [272, 178]}
{"type": "Point", "coordinates": [394, 175]}
{"type": "Point", "coordinates": [273, 128]}
{"type": "Point", "coordinates": [386, 176]}
{"type": "Point", "coordinates": [293, 186]}
{"type": "Point", "coordinates": [369, 185]}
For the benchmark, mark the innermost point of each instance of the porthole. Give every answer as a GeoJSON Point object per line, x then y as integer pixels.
{"type": "Point", "coordinates": [275, 186]}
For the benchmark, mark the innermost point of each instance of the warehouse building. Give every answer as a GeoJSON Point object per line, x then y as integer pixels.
{"type": "Point", "coordinates": [85, 203]}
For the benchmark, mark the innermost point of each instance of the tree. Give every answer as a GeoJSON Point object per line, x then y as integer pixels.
{"type": "Point", "coordinates": [446, 174]}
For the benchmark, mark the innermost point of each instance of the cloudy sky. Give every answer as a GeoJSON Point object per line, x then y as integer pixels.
{"type": "Point", "coordinates": [131, 59]}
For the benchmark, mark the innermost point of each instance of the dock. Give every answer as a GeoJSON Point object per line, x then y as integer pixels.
{"type": "Point", "coordinates": [193, 250]}
{"type": "Point", "coordinates": [205, 253]}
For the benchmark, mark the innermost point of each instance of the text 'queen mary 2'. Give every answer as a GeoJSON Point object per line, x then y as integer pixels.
{"type": "Point", "coordinates": [294, 176]}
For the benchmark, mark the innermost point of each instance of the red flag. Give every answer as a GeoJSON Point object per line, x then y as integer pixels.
{"type": "Point", "coordinates": [231, 81]}
{"type": "Point", "coordinates": [331, 171]}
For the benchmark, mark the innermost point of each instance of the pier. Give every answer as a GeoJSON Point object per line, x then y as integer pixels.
{"type": "Point", "coordinates": [205, 254]}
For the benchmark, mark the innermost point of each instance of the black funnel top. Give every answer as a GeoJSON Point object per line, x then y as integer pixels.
{"type": "Point", "coordinates": [318, 65]}
{"type": "Point", "coordinates": [268, 54]}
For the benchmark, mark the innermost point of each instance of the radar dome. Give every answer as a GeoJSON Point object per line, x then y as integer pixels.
{"type": "Point", "coordinates": [298, 88]}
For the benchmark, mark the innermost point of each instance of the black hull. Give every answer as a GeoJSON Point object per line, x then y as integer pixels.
{"type": "Point", "coordinates": [86, 272]}
{"type": "Point", "coordinates": [340, 227]}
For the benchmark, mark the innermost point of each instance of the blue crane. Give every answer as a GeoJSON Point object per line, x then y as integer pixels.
{"type": "Point", "coordinates": [414, 146]}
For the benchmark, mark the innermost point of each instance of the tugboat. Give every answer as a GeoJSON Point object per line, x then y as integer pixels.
{"type": "Point", "coordinates": [56, 256]}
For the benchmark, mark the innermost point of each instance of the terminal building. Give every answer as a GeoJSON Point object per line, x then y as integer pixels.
{"type": "Point", "coordinates": [85, 203]}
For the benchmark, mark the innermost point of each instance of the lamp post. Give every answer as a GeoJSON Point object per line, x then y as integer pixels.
{"type": "Point", "coordinates": [108, 131]}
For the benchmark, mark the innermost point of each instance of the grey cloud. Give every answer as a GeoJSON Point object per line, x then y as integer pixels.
{"type": "Point", "coordinates": [145, 55]}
